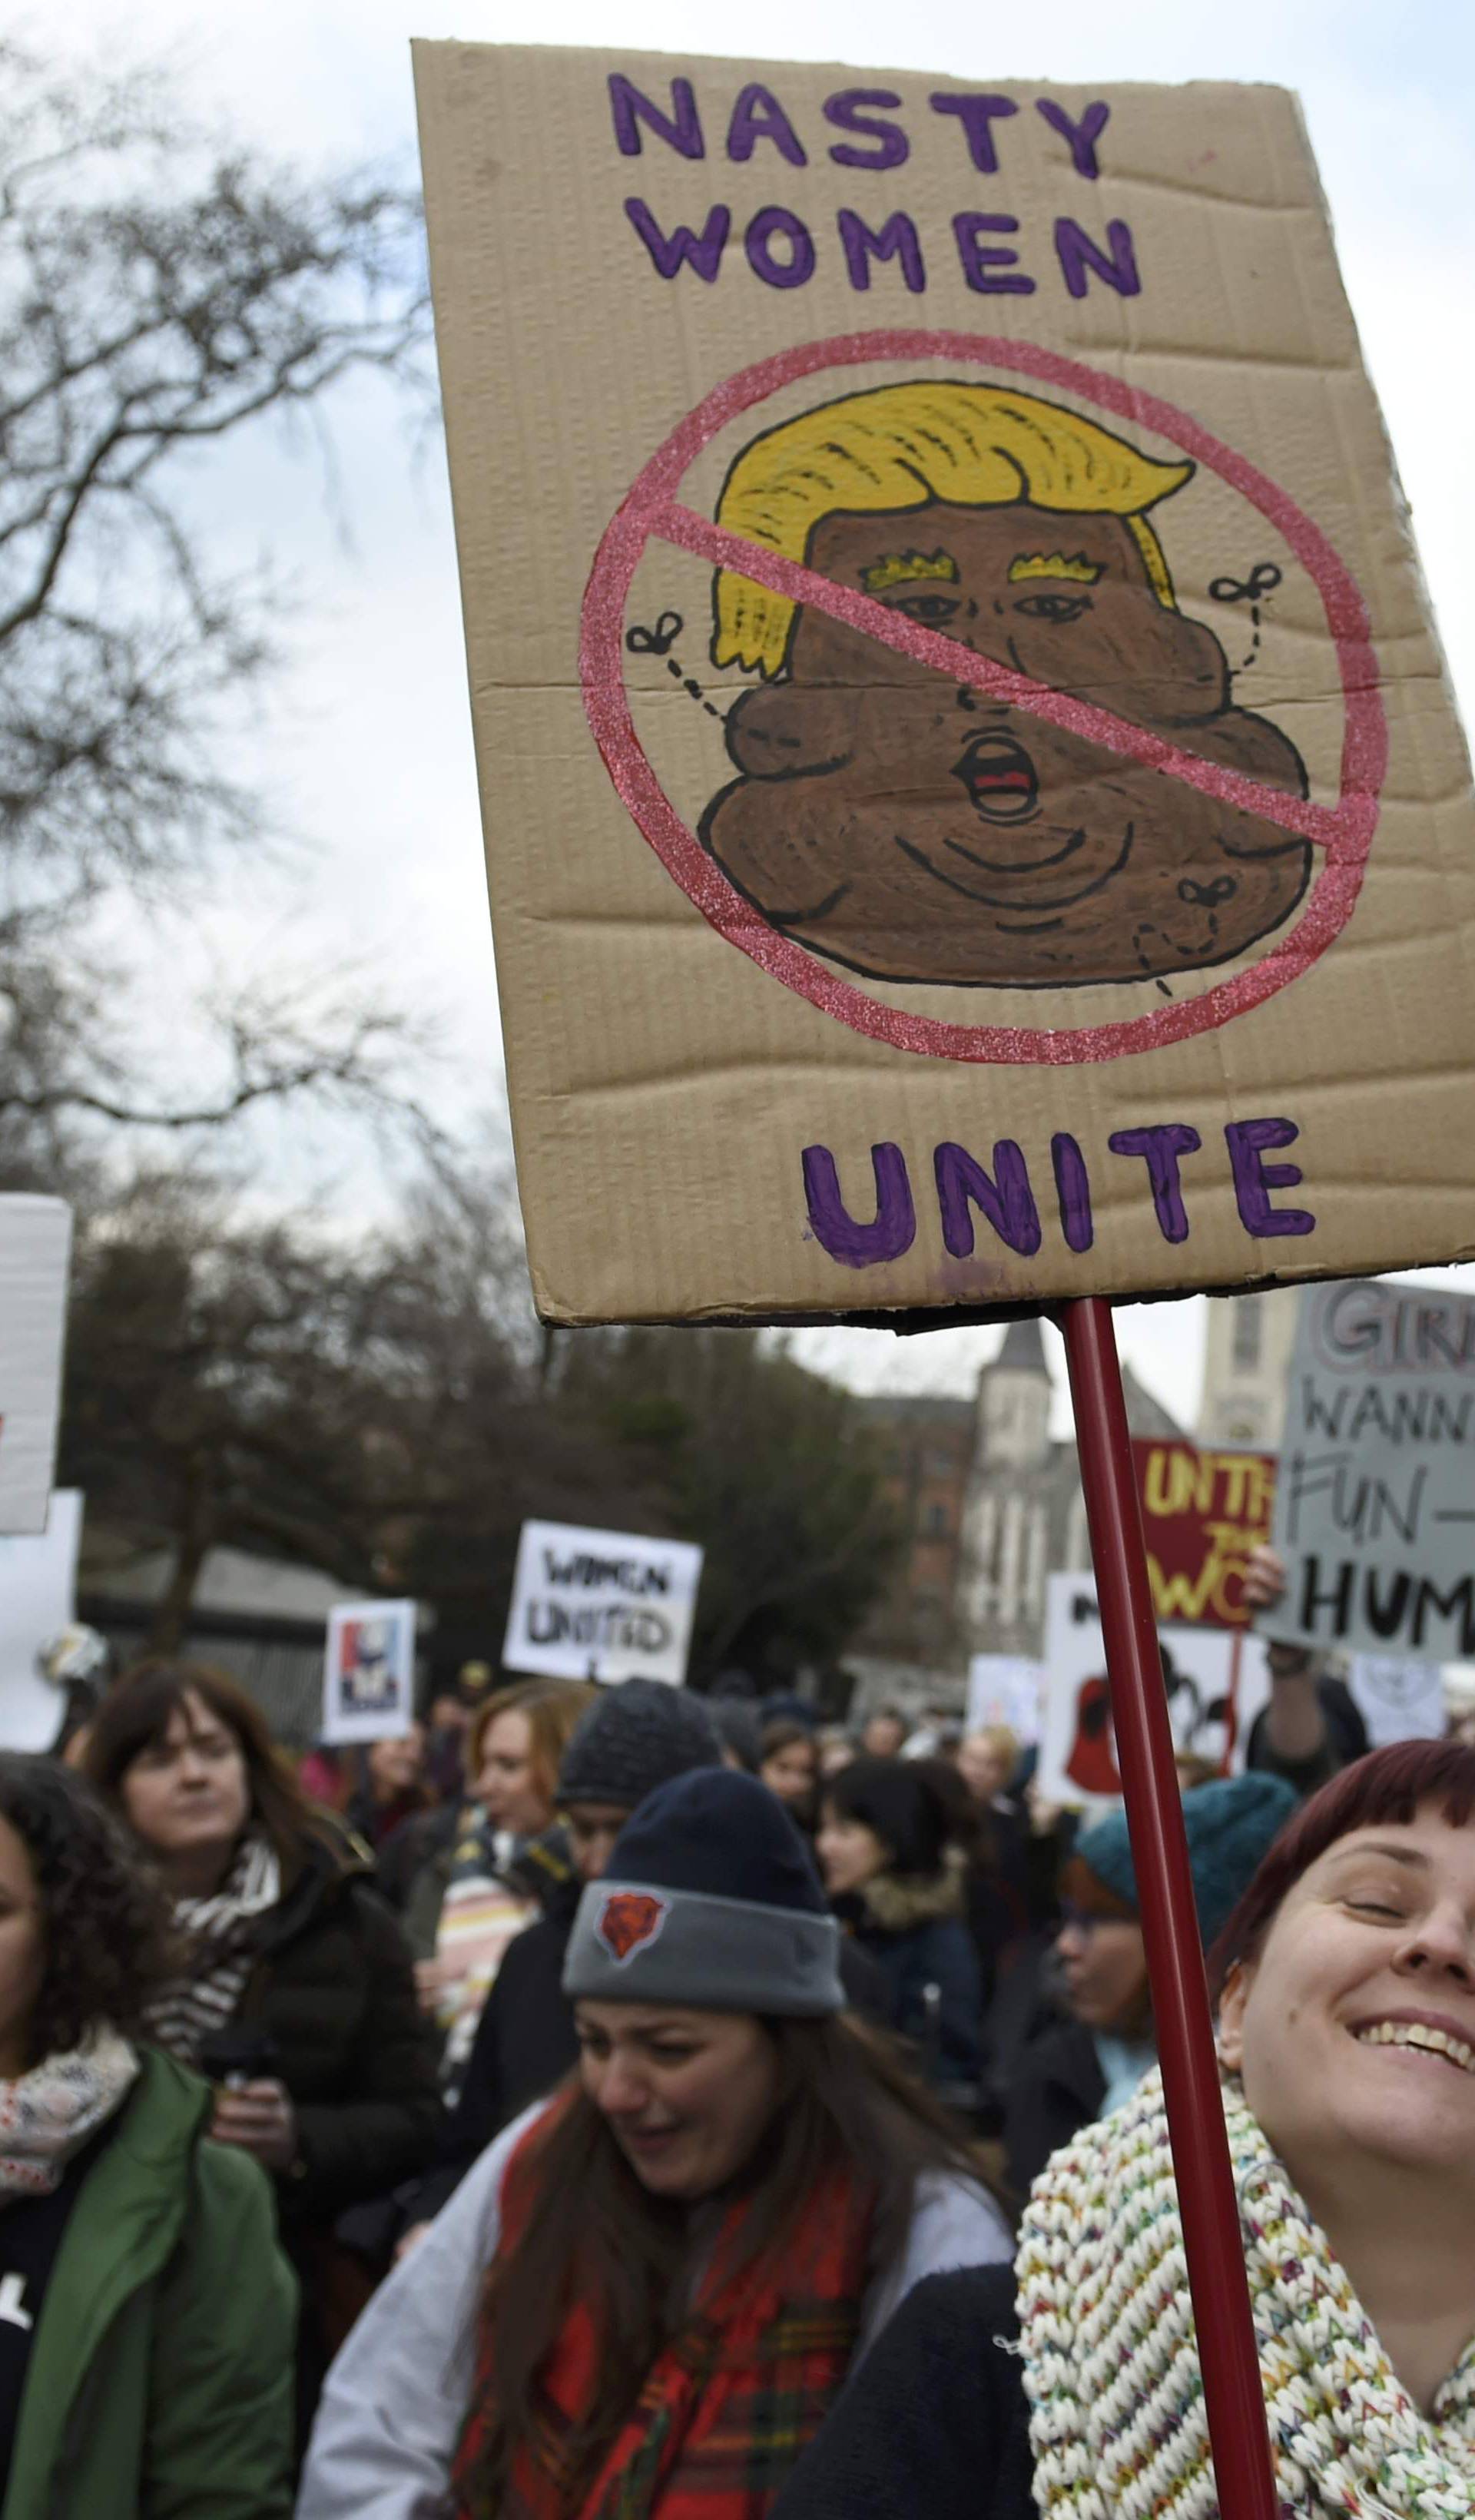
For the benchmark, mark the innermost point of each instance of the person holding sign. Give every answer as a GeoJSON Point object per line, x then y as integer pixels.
{"type": "Point", "coordinates": [1346, 1989]}
{"type": "Point", "coordinates": [1312, 1725]}
{"type": "Point", "coordinates": [651, 2291]}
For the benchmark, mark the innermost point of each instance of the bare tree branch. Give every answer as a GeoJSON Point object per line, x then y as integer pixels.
{"type": "Point", "coordinates": [159, 293]}
{"type": "Point", "coordinates": [155, 296]}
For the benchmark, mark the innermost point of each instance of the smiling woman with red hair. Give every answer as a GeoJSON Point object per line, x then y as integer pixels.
{"type": "Point", "coordinates": [1346, 1984]}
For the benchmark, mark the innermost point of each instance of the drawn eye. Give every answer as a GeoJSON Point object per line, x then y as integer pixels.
{"type": "Point", "coordinates": [930, 609]}
{"type": "Point", "coordinates": [1054, 607]}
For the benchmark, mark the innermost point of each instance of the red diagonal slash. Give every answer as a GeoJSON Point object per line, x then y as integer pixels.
{"type": "Point", "coordinates": [1329, 826]}
{"type": "Point", "coordinates": [652, 506]}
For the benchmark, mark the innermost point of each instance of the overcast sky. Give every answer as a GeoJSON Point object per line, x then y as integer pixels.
{"type": "Point", "coordinates": [367, 746]}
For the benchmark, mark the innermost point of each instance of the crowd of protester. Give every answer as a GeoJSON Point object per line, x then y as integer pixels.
{"type": "Point", "coordinates": [540, 2116]}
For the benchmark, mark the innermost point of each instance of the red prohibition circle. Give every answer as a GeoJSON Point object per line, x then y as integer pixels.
{"type": "Point", "coordinates": [1345, 834]}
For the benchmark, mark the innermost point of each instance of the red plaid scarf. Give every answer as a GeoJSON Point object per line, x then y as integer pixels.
{"type": "Point", "coordinates": [728, 2405]}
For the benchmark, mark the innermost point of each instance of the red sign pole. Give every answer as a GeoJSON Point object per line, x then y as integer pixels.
{"type": "Point", "coordinates": [1233, 2400]}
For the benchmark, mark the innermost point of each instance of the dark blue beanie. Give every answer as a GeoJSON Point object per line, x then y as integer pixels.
{"type": "Point", "coordinates": [1229, 1825]}
{"type": "Point", "coordinates": [712, 1900]}
{"type": "Point", "coordinates": [721, 1832]}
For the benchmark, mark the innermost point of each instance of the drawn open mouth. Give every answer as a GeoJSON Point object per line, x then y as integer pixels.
{"type": "Point", "coordinates": [1001, 779]}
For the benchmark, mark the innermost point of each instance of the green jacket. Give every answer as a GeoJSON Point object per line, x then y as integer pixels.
{"type": "Point", "coordinates": [159, 2385]}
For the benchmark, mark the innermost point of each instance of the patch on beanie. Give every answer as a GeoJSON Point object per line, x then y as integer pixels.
{"type": "Point", "coordinates": [630, 1919]}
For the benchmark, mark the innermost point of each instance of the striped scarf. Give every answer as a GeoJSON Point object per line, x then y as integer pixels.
{"type": "Point", "coordinates": [728, 2405]}
{"type": "Point", "coordinates": [494, 1889]}
{"type": "Point", "coordinates": [1112, 2360]}
{"type": "Point", "coordinates": [219, 1937]}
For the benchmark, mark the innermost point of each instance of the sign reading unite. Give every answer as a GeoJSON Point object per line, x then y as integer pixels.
{"type": "Point", "coordinates": [948, 670]}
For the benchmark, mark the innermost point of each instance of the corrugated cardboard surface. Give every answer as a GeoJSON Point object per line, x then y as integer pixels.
{"type": "Point", "coordinates": [664, 1083]}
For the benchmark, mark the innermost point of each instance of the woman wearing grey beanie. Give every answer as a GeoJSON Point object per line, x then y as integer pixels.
{"type": "Point", "coordinates": [635, 1736]}
{"type": "Point", "coordinates": [656, 2285]}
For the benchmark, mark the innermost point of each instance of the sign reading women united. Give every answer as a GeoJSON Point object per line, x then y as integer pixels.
{"type": "Point", "coordinates": [974, 808]}
{"type": "Point", "coordinates": [605, 1605]}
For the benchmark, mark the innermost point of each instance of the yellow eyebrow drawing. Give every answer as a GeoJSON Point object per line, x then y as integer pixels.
{"type": "Point", "coordinates": [1080, 569]}
{"type": "Point", "coordinates": [900, 569]}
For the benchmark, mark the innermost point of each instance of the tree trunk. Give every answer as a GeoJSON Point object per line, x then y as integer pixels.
{"type": "Point", "coordinates": [171, 1623]}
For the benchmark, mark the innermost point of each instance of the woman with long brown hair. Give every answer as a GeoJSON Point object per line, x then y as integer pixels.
{"type": "Point", "coordinates": [649, 2291]}
{"type": "Point", "coordinates": [295, 1995]}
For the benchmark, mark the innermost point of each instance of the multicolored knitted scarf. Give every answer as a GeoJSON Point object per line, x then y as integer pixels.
{"type": "Point", "coordinates": [728, 2404]}
{"type": "Point", "coordinates": [1111, 2362]}
{"type": "Point", "coordinates": [47, 2115]}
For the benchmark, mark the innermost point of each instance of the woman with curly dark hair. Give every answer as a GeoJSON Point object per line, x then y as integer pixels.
{"type": "Point", "coordinates": [125, 2239]}
{"type": "Point", "coordinates": [296, 1989]}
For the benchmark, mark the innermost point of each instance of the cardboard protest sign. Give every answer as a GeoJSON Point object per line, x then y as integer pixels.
{"type": "Point", "coordinates": [1216, 1681]}
{"type": "Point", "coordinates": [1375, 1502]}
{"type": "Point", "coordinates": [1398, 1701]}
{"type": "Point", "coordinates": [38, 1574]}
{"type": "Point", "coordinates": [1202, 1514]}
{"type": "Point", "coordinates": [1004, 1688]}
{"type": "Point", "coordinates": [606, 1605]}
{"type": "Point", "coordinates": [975, 807]}
{"type": "Point", "coordinates": [36, 1246]}
{"type": "Point", "coordinates": [369, 1671]}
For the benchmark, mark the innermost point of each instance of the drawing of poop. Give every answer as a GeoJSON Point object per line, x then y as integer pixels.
{"type": "Point", "coordinates": [914, 830]}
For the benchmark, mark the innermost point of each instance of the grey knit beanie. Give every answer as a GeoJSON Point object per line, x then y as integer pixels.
{"type": "Point", "coordinates": [636, 1737]}
{"type": "Point", "coordinates": [712, 1900]}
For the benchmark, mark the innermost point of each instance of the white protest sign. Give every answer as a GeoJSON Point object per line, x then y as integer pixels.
{"type": "Point", "coordinates": [35, 1244]}
{"type": "Point", "coordinates": [1375, 1498]}
{"type": "Point", "coordinates": [606, 1605]}
{"type": "Point", "coordinates": [368, 1675]}
{"type": "Point", "coordinates": [37, 1582]}
{"type": "Point", "coordinates": [1217, 1683]}
{"type": "Point", "coordinates": [1004, 1688]}
{"type": "Point", "coordinates": [1398, 1701]}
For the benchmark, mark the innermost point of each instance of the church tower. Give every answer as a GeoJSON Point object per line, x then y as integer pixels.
{"type": "Point", "coordinates": [1006, 1522]}
{"type": "Point", "coordinates": [1013, 1401]}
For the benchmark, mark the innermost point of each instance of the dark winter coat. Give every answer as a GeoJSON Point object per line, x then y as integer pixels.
{"type": "Point", "coordinates": [378, 1823]}
{"type": "Point", "coordinates": [423, 1839]}
{"type": "Point", "coordinates": [159, 2382]}
{"type": "Point", "coordinates": [333, 1985]}
{"type": "Point", "coordinates": [1057, 2088]}
{"type": "Point", "coordinates": [911, 1928]}
{"type": "Point", "coordinates": [937, 2421]}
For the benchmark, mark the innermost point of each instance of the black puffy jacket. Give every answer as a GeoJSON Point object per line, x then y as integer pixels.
{"type": "Point", "coordinates": [939, 2422]}
{"type": "Point", "coordinates": [333, 1985]}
